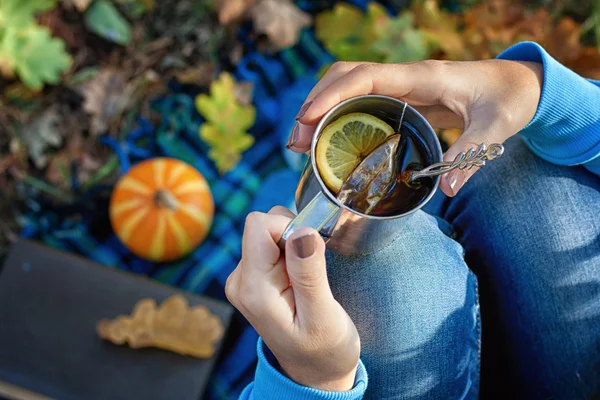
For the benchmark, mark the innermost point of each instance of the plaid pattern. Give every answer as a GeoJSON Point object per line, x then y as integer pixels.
{"type": "Point", "coordinates": [265, 177]}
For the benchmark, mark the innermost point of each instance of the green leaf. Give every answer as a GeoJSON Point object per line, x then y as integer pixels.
{"type": "Point", "coordinates": [348, 34]}
{"type": "Point", "coordinates": [36, 57]}
{"type": "Point", "coordinates": [104, 19]}
{"type": "Point", "coordinates": [20, 13]}
{"type": "Point", "coordinates": [400, 41]}
{"type": "Point", "coordinates": [136, 8]}
{"type": "Point", "coordinates": [226, 123]}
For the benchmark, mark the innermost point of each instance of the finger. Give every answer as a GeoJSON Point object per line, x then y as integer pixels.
{"type": "Point", "coordinates": [280, 210]}
{"type": "Point", "coordinates": [423, 83]}
{"type": "Point", "coordinates": [232, 287]}
{"type": "Point", "coordinates": [476, 134]}
{"type": "Point", "coordinates": [301, 137]}
{"type": "Point", "coordinates": [259, 243]}
{"type": "Point", "coordinates": [336, 71]}
{"type": "Point", "coordinates": [441, 117]}
{"type": "Point", "coordinates": [305, 262]}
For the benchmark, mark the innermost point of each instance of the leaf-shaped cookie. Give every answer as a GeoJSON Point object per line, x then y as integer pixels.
{"type": "Point", "coordinates": [226, 123]}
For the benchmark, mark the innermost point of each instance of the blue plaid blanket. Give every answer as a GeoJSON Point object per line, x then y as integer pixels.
{"type": "Point", "coordinates": [266, 176]}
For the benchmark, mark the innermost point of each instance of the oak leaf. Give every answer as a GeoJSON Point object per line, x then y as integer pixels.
{"type": "Point", "coordinates": [280, 20]}
{"type": "Point", "coordinates": [232, 10]}
{"type": "Point", "coordinates": [440, 28]}
{"type": "Point", "coordinates": [349, 34]}
{"type": "Point", "coordinates": [227, 121]}
{"type": "Point", "coordinates": [400, 42]}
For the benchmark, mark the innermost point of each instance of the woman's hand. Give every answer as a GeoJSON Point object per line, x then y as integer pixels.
{"type": "Point", "coordinates": [491, 100]}
{"type": "Point", "coordinates": [288, 301]}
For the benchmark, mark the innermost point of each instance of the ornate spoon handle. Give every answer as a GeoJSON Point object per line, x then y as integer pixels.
{"type": "Point", "coordinates": [472, 158]}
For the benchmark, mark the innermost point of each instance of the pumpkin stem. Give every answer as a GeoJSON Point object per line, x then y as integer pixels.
{"type": "Point", "coordinates": [163, 198]}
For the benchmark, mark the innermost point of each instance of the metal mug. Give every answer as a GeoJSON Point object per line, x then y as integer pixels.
{"type": "Point", "coordinates": [344, 230]}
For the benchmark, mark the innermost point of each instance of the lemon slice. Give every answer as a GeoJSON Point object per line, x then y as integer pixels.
{"type": "Point", "coordinates": [345, 143]}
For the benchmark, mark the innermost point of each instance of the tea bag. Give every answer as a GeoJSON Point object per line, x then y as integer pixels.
{"type": "Point", "coordinates": [372, 179]}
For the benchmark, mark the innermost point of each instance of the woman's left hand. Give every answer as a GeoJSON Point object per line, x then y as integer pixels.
{"type": "Point", "coordinates": [491, 100]}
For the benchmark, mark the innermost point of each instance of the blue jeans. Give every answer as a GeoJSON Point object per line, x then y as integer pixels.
{"type": "Point", "coordinates": [530, 232]}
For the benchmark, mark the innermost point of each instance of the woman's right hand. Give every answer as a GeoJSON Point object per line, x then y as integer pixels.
{"type": "Point", "coordinates": [287, 299]}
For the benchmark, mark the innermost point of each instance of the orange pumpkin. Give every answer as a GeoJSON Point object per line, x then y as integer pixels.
{"type": "Point", "coordinates": [161, 209]}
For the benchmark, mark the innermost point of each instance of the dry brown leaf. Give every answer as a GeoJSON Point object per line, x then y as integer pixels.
{"type": "Point", "coordinates": [41, 134]}
{"type": "Point", "coordinates": [80, 5]}
{"type": "Point", "coordinates": [174, 326]}
{"type": "Point", "coordinates": [587, 63]}
{"type": "Point", "coordinates": [105, 98]}
{"type": "Point", "coordinates": [563, 42]}
{"type": "Point", "coordinates": [201, 75]}
{"type": "Point", "coordinates": [232, 10]}
{"type": "Point", "coordinates": [280, 20]}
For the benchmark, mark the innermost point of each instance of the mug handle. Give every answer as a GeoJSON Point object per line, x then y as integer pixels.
{"type": "Point", "coordinates": [317, 213]}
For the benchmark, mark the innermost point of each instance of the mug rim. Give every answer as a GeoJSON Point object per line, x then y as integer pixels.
{"type": "Point", "coordinates": [325, 189]}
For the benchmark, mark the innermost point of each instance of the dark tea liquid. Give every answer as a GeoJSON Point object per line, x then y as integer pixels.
{"type": "Point", "coordinates": [404, 196]}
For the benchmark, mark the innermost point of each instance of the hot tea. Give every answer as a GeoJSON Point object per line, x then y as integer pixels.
{"type": "Point", "coordinates": [380, 186]}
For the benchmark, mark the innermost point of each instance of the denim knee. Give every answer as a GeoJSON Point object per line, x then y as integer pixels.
{"type": "Point", "coordinates": [415, 306]}
{"type": "Point", "coordinates": [532, 234]}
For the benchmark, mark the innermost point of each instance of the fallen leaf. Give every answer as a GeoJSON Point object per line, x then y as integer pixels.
{"type": "Point", "coordinates": [439, 28]}
{"type": "Point", "coordinates": [201, 75]}
{"type": "Point", "coordinates": [226, 123]}
{"type": "Point", "coordinates": [41, 134]}
{"type": "Point", "coordinates": [400, 42]}
{"type": "Point", "coordinates": [34, 55]}
{"type": "Point", "coordinates": [349, 34]}
{"type": "Point", "coordinates": [232, 10]}
{"type": "Point", "coordinates": [563, 42]}
{"type": "Point", "coordinates": [280, 20]}
{"type": "Point", "coordinates": [105, 98]}
{"type": "Point", "coordinates": [136, 8]}
{"type": "Point", "coordinates": [80, 5]}
{"type": "Point", "coordinates": [20, 13]}
{"type": "Point", "coordinates": [587, 63]}
{"type": "Point", "coordinates": [18, 91]}
{"type": "Point", "coordinates": [104, 19]}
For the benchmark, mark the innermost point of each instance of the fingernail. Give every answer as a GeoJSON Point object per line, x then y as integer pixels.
{"type": "Point", "coordinates": [303, 110]}
{"type": "Point", "coordinates": [456, 179]}
{"type": "Point", "coordinates": [304, 245]}
{"type": "Point", "coordinates": [294, 135]}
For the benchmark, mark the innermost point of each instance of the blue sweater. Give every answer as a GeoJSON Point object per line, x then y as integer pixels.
{"type": "Point", "coordinates": [565, 131]}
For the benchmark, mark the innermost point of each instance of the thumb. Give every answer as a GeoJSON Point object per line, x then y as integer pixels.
{"type": "Point", "coordinates": [305, 263]}
{"type": "Point", "coordinates": [473, 137]}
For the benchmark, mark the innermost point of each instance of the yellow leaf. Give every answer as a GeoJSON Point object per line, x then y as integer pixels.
{"type": "Point", "coordinates": [227, 121]}
{"type": "Point", "coordinates": [439, 28]}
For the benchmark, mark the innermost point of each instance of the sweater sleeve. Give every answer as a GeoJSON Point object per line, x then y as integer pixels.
{"type": "Point", "coordinates": [566, 127]}
{"type": "Point", "coordinates": [271, 384]}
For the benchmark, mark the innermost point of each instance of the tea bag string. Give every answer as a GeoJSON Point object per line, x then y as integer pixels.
{"type": "Point", "coordinates": [465, 160]}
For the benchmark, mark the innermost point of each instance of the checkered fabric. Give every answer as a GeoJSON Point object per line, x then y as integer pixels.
{"type": "Point", "coordinates": [265, 177]}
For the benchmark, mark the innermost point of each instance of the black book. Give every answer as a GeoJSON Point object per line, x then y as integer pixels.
{"type": "Point", "coordinates": [50, 302]}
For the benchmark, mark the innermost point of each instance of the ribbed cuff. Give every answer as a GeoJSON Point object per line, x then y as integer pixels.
{"type": "Point", "coordinates": [271, 384]}
{"type": "Point", "coordinates": [566, 127]}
